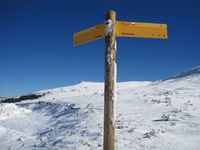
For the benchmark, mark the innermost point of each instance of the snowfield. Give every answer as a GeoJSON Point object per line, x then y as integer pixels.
{"type": "Point", "coordinates": [162, 115]}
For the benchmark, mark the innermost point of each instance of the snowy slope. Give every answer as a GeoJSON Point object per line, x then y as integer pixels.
{"type": "Point", "coordinates": [150, 115]}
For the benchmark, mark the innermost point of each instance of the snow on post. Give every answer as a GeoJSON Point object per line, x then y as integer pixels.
{"type": "Point", "coordinates": [114, 93]}
{"type": "Point", "coordinates": [108, 27]}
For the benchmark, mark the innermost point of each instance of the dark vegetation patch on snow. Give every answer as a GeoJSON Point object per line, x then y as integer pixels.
{"type": "Point", "coordinates": [23, 98]}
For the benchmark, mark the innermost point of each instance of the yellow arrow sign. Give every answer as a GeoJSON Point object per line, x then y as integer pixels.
{"type": "Point", "coordinates": [143, 30]}
{"type": "Point", "coordinates": [123, 29]}
{"type": "Point", "coordinates": [88, 35]}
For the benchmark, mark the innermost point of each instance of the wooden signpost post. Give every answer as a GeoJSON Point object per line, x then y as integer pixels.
{"type": "Point", "coordinates": [110, 30]}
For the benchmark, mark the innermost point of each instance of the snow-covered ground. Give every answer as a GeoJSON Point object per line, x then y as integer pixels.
{"type": "Point", "coordinates": [162, 115]}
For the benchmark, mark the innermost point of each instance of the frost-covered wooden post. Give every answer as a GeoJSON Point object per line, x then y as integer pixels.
{"type": "Point", "coordinates": [110, 81]}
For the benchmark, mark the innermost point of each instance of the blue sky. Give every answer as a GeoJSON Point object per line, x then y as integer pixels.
{"type": "Point", "coordinates": [36, 50]}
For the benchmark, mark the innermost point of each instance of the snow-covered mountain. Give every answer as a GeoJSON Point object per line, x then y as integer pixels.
{"type": "Point", "coordinates": [163, 115]}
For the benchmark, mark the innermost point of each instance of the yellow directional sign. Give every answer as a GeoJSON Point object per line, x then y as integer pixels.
{"type": "Point", "coordinates": [90, 34]}
{"type": "Point", "coordinates": [143, 30]}
{"type": "Point", "coordinates": [123, 29]}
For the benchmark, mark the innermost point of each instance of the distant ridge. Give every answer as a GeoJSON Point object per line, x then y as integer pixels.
{"type": "Point", "coordinates": [192, 71]}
